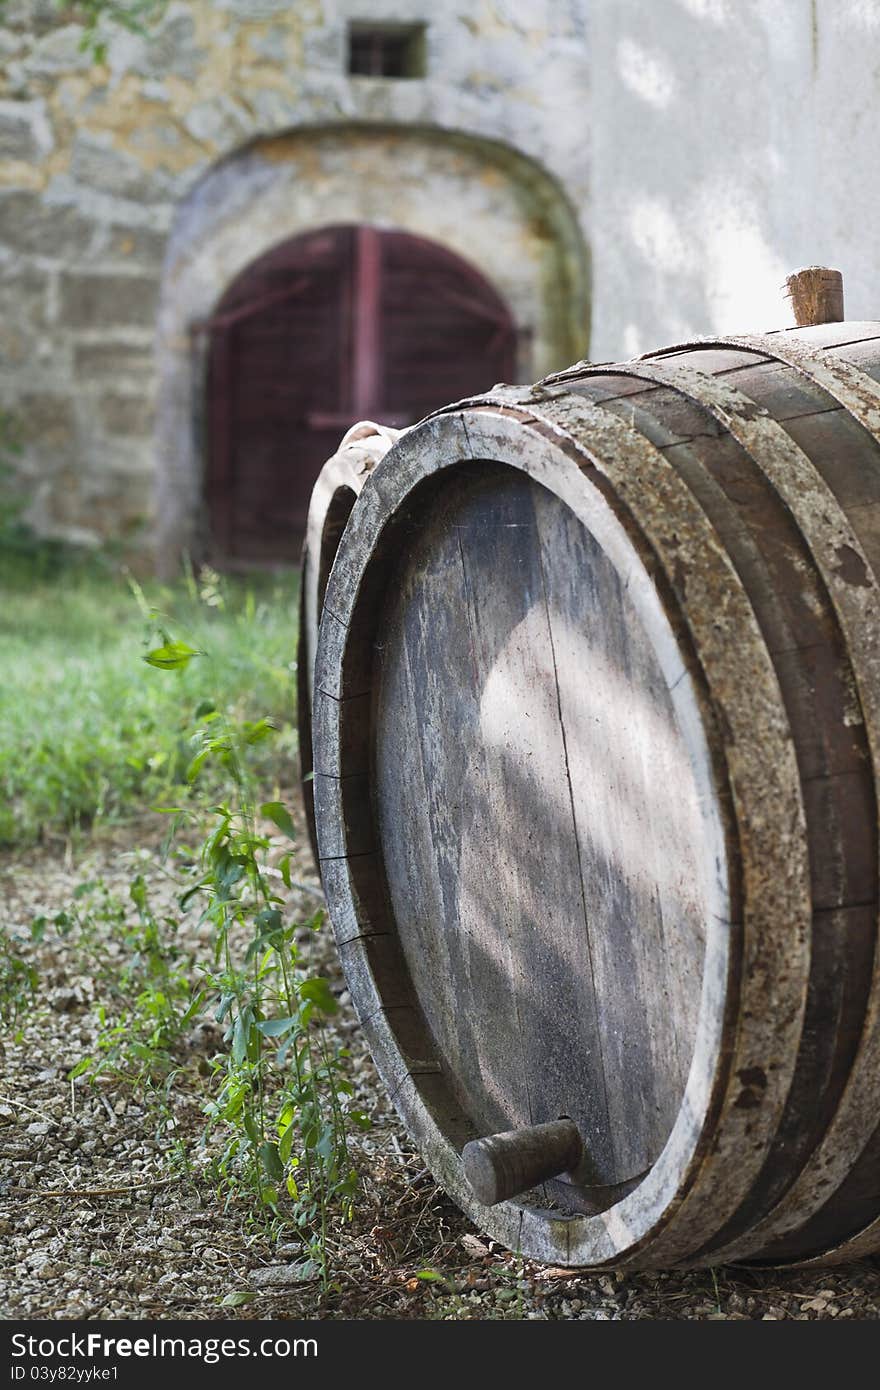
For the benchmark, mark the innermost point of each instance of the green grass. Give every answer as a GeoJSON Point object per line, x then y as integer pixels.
{"type": "Point", "coordinates": [114, 697]}
{"type": "Point", "coordinates": [88, 731]}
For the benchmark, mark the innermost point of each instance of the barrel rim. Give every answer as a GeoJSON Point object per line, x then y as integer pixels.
{"type": "Point", "coordinates": [825, 529]}
{"type": "Point", "coordinates": [344, 473]}
{"type": "Point", "coordinates": [627, 1225]}
{"type": "Point", "coordinates": [346, 470]}
{"type": "Point", "coordinates": [777, 925]}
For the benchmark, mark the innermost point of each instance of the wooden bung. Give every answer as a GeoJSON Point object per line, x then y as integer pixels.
{"type": "Point", "coordinates": [816, 295]}
{"type": "Point", "coordinates": [504, 1165]}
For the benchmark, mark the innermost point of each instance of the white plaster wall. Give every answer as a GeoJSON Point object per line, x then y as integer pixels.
{"type": "Point", "coordinates": [732, 141]}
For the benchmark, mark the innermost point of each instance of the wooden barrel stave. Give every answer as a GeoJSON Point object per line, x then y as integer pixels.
{"type": "Point", "coordinates": [852, 810]}
{"type": "Point", "coordinates": [850, 596]}
{"type": "Point", "coordinates": [854, 1118]}
{"type": "Point", "coordinates": [816, 685]}
{"type": "Point", "coordinates": [815, 678]}
{"type": "Point", "coordinates": [336, 490]}
{"type": "Point", "coordinates": [846, 1226]}
{"type": "Point", "coordinates": [564, 1016]}
{"type": "Point", "coordinates": [777, 942]}
{"type": "Point", "coordinates": [350, 584]}
{"type": "Point", "coordinates": [868, 467]}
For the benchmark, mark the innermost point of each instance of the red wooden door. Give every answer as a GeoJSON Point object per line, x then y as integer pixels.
{"type": "Point", "coordinates": [343, 324]}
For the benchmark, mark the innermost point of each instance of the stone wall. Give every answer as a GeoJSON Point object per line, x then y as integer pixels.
{"type": "Point", "coordinates": [694, 151]}
{"type": "Point", "coordinates": [499, 211]}
{"type": "Point", "coordinates": [99, 164]}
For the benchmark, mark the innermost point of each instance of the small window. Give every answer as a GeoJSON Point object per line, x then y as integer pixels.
{"type": "Point", "coordinates": [386, 50]}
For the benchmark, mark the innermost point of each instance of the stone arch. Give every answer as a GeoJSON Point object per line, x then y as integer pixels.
{"type": "Point", "coordinates": [492, 206]}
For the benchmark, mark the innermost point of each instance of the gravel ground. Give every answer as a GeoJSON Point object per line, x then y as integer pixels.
{"type": "Point", "coordinates": [100, 1220]}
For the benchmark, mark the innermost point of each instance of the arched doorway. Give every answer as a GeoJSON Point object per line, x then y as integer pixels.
{"type": "Point", "coordinates": [341, 324]}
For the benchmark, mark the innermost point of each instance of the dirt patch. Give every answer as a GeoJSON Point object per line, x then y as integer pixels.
{"type": "Point", "coordinates": [102, 1216]}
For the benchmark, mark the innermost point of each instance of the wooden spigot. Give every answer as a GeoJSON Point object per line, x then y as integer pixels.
{"type": "Point", "coordinates": [503, 1165]}
{"type": "Point", "coordinates": [816, 295]}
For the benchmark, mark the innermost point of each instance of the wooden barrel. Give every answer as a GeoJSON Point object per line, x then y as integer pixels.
{"type": "Point", "coordinates": [335, 492]}
{"type": "Point", "coordinates": [597, 710]}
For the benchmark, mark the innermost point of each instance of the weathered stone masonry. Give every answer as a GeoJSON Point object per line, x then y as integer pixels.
{"type": "Point", "coordinates": [630, 172]}
{"type": "Point", "coordinates": [131, 193]}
